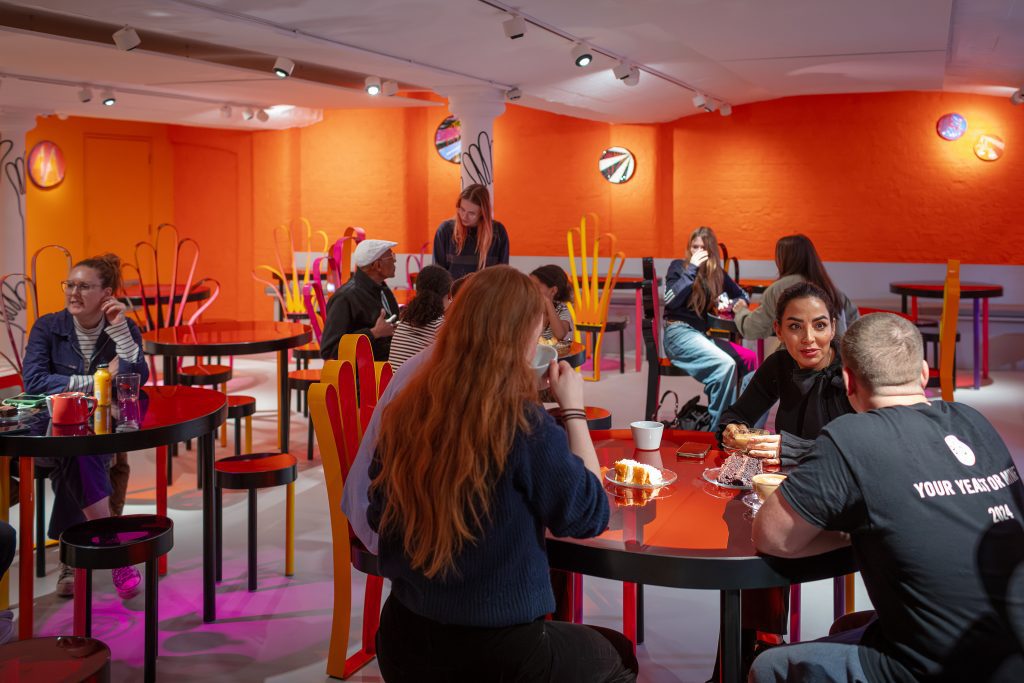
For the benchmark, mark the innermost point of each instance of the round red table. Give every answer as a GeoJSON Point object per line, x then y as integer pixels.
{"type": "Point", "coordinates": [170, 414]}
{"type": "Point", "coordinates": [575, 354]}
{"type": "Point", "coordinates": [978, 292]}
{"type": "Point", "coordinates": [692, 535]}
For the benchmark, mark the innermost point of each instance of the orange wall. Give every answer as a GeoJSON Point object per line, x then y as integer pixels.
{"type": "Point", "coordinates": [864, 175]}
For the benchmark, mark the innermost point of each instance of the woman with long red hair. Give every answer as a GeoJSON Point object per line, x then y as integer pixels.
{"type": "Point", "coordinates": [472, 240]}
{"type": "Point", "coordinates": [468, 474]}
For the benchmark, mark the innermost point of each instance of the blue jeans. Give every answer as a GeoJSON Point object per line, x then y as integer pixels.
{"type": "Point", "coordinates": [703, 360]}
{"type": "Point", "coordinates": [832, 659]}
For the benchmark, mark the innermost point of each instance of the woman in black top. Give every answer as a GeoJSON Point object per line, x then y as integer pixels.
{"type": "Point", "coordinates": [472, 240]}
{"type": "Point", "coordinates": [806, 378]}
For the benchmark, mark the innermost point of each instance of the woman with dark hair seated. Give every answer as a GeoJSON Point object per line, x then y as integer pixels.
{"type": "Point", "coordinates": [423, 317]}
{"type": "Point", "coordinates": [468, 474]}
{"type": "Point", "coordinates": [553, 285]}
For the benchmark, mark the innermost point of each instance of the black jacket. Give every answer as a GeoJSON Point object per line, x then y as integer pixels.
{"type": "Point", "coordinates": [679, 283]}
{"type": "Point", "coordinates": [465, 262]}
{"type": "Point", "coordinates": [354, 309]}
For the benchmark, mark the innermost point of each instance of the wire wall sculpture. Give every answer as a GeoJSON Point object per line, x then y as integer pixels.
{"type": "Point", "coordinates": [478, 159]}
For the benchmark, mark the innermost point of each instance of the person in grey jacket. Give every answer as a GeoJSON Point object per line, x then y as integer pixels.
{"type": "Point", "coordinates": [797, 261]}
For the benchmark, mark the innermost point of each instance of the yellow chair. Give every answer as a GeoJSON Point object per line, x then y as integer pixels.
{"type": "Point", "coordinates": [591, 298]}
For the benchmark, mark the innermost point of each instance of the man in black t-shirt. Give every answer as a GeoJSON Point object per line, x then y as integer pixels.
{"type": "Point", "coordinates": [931, 501]}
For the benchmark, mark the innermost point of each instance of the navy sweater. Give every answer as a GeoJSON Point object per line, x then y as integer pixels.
{"type": "Point", "coordinates": [502, 579]}
{"type": "Point", "coordinates": [679, 283]}
{"type": "Point", "coordinates": [465, 262]}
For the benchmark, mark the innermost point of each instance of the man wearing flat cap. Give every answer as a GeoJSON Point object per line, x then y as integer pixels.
{"type": "Point", "coordinates": [364, 304]}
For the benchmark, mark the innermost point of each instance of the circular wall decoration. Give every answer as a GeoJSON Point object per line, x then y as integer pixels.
{"type": "Point", "coordinates": [951, 126]}
{"type": "Point", "coordinates": [989, 147]}
{"type": "Point", "coordinates": [46, 165]}
{"type": "Point", "coordinates": [448, 140]}
{"type": "Point", "coordinates": [616, 164]}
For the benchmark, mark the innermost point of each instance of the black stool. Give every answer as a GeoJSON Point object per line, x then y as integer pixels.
{"type": "Point", "coordinates": [597, 418]}
{"type": "Point", "coordinates": [256, 471]}
{"type": "Point", "coordinates": [114, 542]}
{"type": "Point", "coordinates": [301, 381]}
{"type": "Point", "coordinates": [70, 659]}
{"type": "Point", "coordinates": [617, 325]}
{"type": "Point", "coordinates": [240, 406]}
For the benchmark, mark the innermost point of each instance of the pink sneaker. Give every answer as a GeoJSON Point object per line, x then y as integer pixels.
{"type": "Point", "coordinates": [126, 581]}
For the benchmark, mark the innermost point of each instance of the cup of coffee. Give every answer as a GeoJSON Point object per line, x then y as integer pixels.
{"type": "Point", "coordinates": [542, 358]}
{"type": "Point", "coordinates": [647, 434]}
{"type": "Point", "coordinates": [766, 483]}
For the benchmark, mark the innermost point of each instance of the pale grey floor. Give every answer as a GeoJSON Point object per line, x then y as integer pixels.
{"type": "Point", "coordinates": [280, 633]}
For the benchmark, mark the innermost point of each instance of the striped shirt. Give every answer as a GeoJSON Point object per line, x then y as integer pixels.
{"type": "Point", "coordinates": [562, 311]}
{"type": "Point", "coordinates": [409, 340]}
{"type": "Point", "coordinates": [125, 345]}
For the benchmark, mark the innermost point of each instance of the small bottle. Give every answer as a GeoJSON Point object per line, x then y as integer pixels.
{"type": "Point", "coordinates": [101, 385]}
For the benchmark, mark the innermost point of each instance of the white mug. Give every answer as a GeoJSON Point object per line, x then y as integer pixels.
{"type": "Point", "coordinates": [647, 434]}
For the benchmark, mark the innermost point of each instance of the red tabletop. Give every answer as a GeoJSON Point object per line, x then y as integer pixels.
{"type": "Point", "coordinates": [226, 337]}
{"type": "Point", "coordinates": [692, 534]}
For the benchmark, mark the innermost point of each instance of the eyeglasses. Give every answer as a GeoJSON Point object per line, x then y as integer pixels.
{"type": "Point", "coordinates": [83, 287]}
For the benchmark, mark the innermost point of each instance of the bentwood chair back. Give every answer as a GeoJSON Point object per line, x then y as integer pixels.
{"type": "Point", "coordinates": [341, 254]}
{"type": "Point", "coordinates": [947, 330]}
{"type": "Point", "coordinates": [20, 306]}
{"type": "Point", "coordinates": [591, 298]}
{"type": "Point", "coordinates": [316, 306]}
{"type": "Point", "coordinates": [292, 287]}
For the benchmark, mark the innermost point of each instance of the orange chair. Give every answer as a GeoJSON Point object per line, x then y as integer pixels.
{"type": "Point", "coordinates": [589, 307]}
{"type": "Point", "coordinates": [338, 407]}
{"type": "Point", "coordinates": [947, 329]}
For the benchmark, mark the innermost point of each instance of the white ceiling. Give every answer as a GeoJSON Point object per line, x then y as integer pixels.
{"type": "Point", "coordinates": [738, 51]}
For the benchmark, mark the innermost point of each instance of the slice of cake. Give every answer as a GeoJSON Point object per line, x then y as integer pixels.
{"type": "Point", "coordinates": [739, 470]}
{"type": "Point", "coordinates": [633, 472]}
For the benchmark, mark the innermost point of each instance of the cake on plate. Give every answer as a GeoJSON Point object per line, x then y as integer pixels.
{"type": "Point", "coordinates": [633, 472]}
{"type": "Point", "coordinates": [739, 470]}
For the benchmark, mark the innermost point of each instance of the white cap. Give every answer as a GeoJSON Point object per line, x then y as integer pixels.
{"type": "Point", "coordinates": [369, 251]}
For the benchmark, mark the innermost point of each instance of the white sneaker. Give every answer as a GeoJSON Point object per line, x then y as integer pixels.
{"type": "Point", "coordinates": [65, 580]}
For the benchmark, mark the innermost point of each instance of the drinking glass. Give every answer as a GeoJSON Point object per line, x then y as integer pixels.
{"type": "Point", "coordinates": [127, 400]}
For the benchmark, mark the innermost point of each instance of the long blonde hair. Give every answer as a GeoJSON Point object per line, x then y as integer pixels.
{"type": "Point", "coordinates": [477, 194]}
{"type": "Point", "coordinates": [710, 278]}
{"type": "Point", "coordinates": [445, 438]}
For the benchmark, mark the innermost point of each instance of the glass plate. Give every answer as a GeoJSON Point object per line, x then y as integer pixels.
{"type": "Point", "coordinates": [711, 476]}
{"type": "Point", "coordinates": [668, 477]}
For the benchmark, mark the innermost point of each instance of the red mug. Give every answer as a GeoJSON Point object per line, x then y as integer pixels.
{"type": "Point", "coordinates": [70, 408]}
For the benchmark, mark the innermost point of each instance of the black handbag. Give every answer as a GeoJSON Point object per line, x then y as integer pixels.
{"type": "Point", "coordinates": [692, 416]}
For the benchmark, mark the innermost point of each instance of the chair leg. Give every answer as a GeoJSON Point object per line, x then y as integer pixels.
{"type": "Point", "coordinates": [218, 511]}
{"type": "Point", "coordinates": [248, 433]}
{"type": "Point", "coordinates": [40, 527]}
{"type": "Point", "coordinates": [371, 613]}
{"type": "Point", "coordinates": [224, 426]}
{"type": "Point", "coordinates": [252, 540]}
{"type": "Point", "coordinates": [622, 351]}
{"type": "Point", "coordinates": [82, 622]}
{"type": "Point", "coordinates": [152, 607]}
{"type": "Point", "coordinates": [238, 436]}
{"type": "Point", "coordinates": [309, 440]}
{"type": "Point", "coordinates": [289, 531]}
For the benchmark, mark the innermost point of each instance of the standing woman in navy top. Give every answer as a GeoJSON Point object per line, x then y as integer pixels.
{"type": "Point", "coordinates": [693, 285]}
{"type": "Point", "coordinates": [469, 473]}
{"type": "Point", "coordinates": [472, 240]}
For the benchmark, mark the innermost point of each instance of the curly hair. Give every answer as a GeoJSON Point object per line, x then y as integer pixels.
{"type": "Point", "coordinates": [432, 286]}
{"type": "Point", "coordinates": [109, 268]}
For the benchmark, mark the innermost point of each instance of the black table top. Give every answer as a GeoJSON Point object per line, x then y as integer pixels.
{"type": "Point", "coordinates": [169, 415]}
{"type": "Point", "coordinates": [226, 338]}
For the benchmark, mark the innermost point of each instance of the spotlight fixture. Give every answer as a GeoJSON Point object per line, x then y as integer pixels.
{"type": "Point", "coordinates": [389, 88]}
{"type": "Point", "coordinates": [633, 78]}
{"type": "Point", "coordinates": [127, 39]}
{"type": "Point", "coordinates": [699, 100]}
{"type": "Point", "coordinates": [1018, 97]}
{"type": "Point", "coordinates": [513, 94]}
{"type": "Point", "coordinates": [581, 55]}
{"type": "Point", "coordinates": [262, 116]}
{"type": "Point", "coordinates": [372, 86]}
{"type": "Point", "coordinates": [515, 26]}
{"type": "Point", "coordinates": [283, 67]}
{"type": "Point", "coordinates": [725, 109]}
{"type": "Point", "coordinates": [225, 111]}
{"type": "Point", "coordinates": [621, 71]}
{"type": "Point", "coordinates": [108, 98]}
{"type": "Point", "coordinates": [248, 113]}
{"type": "Point", "coordinates": [85, 94]}
{"type": "Point", "coordinates": [711, 105]}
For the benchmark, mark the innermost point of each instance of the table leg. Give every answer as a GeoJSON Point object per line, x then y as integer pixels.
{"type": "Point", "coordinates": [5, 511]}
{"type": "Point", "coordinates": [639, 328]}
{"type": "Point", "coordinates": [283, 418]}
{"type": "Point", "coordinates": [760, 351]}
{"type": "Point", "coordinates": [26, 581]}
{"type": "Point", "coordinates": [984, 338]}
{"type": "Point", "coordinates": [977, 346]}
{"type": "Point", "coordinates": [794, 613]}
{"type": "Point", "coordinates": [731, 637]}
{"type": "Point", "coordinates": [838, 597]}
{"type": "Point", "coordinates": [170, 370]}
{"type": "Point", "coordinates": [161, 495]}
{"type": "Point", "coordinates": [205, 454]}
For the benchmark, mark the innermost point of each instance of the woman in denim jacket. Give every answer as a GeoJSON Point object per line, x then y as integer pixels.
{"type": "Point", "coordinates": [63, 351]}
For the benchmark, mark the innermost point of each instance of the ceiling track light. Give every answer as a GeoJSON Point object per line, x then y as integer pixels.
{"type": "Point", "coordinates": [283, 67]}
{"type": "Point", "coordinates": [581, 55]}
{"type": "Point", "coordinates": [127, 39]}
{"type": "Point", "coordinates": [108, 98]}
{"type": "Point", "coordinates": [372, 86]}
{"type": "Point", "coordinates": [1018, 97]}
{"type": "Point", "coordinates": [85, 94]}
{"type": "Point", "coordinates": [248, 113]}
{"type": "Point", "coordinates": [389, 88]}
{"type": "Point", "coordinates": [262, 116]}
{"type": "Point", "coordinates": [725, 109]}
{"type": "Point", "coordinates": [700, 100]}
{"type": "Point", "coordinates": [633, 78]}
{"type": "Point", "coordinates": [515, 27]}
{"type": "Point", "coordinates": [621, 71]}
{"type": "Point", "coordinates": [513, 94]}
{"type": "Point", "coordinates": [226, 111]}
